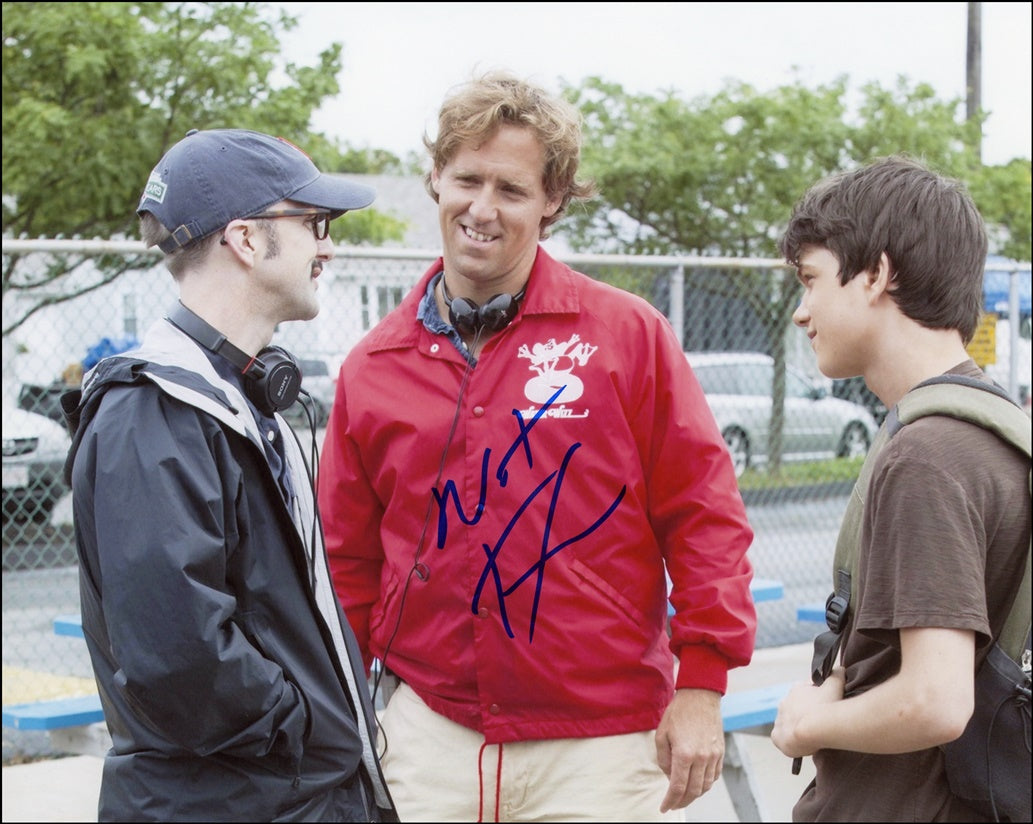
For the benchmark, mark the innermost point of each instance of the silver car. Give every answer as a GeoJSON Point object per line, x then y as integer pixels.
{"type": "Point", "coordinates": [35, 448]}
{"type": "Point", "coordinates": [738, 388]}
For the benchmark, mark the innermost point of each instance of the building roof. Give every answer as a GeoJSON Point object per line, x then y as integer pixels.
{"type": "Point", "coordinates": [405, 198]}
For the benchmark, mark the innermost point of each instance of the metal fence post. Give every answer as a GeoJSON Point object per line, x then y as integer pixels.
{"type": "Point", "coordinates": [1014, 321]}
{"type": "Point", "coordinates": [677, 309]}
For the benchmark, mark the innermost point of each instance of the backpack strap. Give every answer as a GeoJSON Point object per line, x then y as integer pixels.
{"type": "Point", "coordinates": [992, 409]}
{"type": "Point", "coordinates": [837, 606]}
{"type": "Point", "coordinates": [1015, 636]}
{"type": "Point", "coordinates": [936, 397]}
{"type": "Point", "coordinates": [1010, 423]}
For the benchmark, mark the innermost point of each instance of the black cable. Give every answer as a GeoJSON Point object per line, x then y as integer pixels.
{"type": "Point", "coordinates": [421, 571]}
{"type": "Point", "coordinates": [312, 475]}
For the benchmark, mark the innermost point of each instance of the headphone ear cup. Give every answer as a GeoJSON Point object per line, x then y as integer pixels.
{"type": "Point", "coordinates": [272, 379]}
{"type": "Point", "coordinates": [497, 313]}
{"type": "Point", "coordinates": [464, 315]}
{"type": "Point", "coordinates": [280, 381]}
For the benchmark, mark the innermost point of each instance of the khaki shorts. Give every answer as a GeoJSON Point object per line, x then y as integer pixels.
{"type": "Point", "coordinates": [438, 770]}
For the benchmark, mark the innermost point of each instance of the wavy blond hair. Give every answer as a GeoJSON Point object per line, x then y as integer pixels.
{"type": "Point", "coordinates": [474, 112]}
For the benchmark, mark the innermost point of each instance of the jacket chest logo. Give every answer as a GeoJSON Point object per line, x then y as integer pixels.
{"type": "Point", "coordinates": [553, 364]}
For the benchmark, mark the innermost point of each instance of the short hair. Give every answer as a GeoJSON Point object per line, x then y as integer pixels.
{"type": "Point", "coordinates": [476, 110]}
{"type": "Point", "coordinates": [192, 255]}
{"type": "Point", "coordinates": [179, 260]}
{"type": "Point", "coordinates": [927, 224]}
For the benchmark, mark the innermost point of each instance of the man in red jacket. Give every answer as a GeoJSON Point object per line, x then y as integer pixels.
{"type": "Point", "coordinates": [516, 458]}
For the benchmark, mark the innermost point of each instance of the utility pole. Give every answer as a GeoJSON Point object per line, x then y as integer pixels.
{"type": "Point", "coordinates": [973, 70]}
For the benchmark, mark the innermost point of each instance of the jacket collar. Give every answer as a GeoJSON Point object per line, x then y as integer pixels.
{"type": "Point", "coordinates": [551, 289]}
{"type": "Point", "coordinates": [175, 362]}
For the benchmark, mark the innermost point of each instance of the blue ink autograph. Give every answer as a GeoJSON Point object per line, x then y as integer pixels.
{"type": "Point", "coordinates": [522, 441]}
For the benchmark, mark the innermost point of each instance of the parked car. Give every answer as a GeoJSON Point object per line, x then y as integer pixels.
{"type": "Point", "coordinates": [738, 388]}
{"type": "Point", "coordinates": [44, 399]}
{"type": "Point", "coordinates": [319, 380]}
{"type": "Point", "coordinates": [34, 454]}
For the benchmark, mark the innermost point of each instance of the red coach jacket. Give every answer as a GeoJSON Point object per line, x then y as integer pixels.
{"type": "Point", "coordinates": [513, 572]}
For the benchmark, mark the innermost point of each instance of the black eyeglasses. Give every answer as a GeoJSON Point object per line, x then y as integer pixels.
{"type": "Point", "coordinates": [320, 222]}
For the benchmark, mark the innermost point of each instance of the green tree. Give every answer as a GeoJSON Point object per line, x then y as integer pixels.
{"type": "Point", "coordinates": [718, 175]}
{"type": "Point", "coordinates": [1003, 196]}
{"type": "Point", "coordinates": [914, 121]}
{"type": "Point", "coordinates": [94, 93]}
{"type": "Point", "coordinates": [713, 176]}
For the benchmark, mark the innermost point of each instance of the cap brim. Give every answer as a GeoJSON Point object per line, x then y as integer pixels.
{"type": "Point", "coordinates": [335, 193]}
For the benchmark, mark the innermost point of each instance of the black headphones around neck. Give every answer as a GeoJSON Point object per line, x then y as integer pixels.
{"type": "Point", "coordinates": [273, 377]}
{"type": "Point", "coordinates": [469, 318]}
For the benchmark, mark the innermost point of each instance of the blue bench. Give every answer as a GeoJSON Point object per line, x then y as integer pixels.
{"type": "Point", "coordinates": [811, 612]}
{"type": "Point", "coordinates": [766, 589]}
{"type": "Point", "coordinates": [750, 712]}
{"type": "Point", "coordinates": [762, 589]}
{"type": "Point", "coordinates": [745, 710]}
{"type": "Point", "coordinates": [54, 714]}
{"type": "Point", "coordinates": [70, 721]}
{"type": "Point", "coordinates": [69, 625]}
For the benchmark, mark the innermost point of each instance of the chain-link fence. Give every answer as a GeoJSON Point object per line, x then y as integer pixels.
{"type": "Point", "coordinates": [733, 317]}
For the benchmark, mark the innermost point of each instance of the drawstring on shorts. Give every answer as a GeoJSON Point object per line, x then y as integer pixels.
{"type": "Point", "coordinates": [480, 781]}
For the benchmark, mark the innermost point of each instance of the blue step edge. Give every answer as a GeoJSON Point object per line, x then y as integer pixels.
{"type": "Point", "coordinates": [70, 625]}
{"type": "Point", "coordinates": [739, 710]}
{"type": "Point", "coordinates": [811, 612]}
{"type": "Point", "coordinates": [752, 708]}
{"type": "Point", "coordinates": [54, 714]}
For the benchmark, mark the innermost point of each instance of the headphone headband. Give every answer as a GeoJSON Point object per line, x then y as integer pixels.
{"type": "Point", "coordinates": [212, 339]}
{"type": "Point", "coordinates": [273, 378]}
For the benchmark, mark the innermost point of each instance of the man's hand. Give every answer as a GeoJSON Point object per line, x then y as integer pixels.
{"type": "Point", "coordinates": [690, 746]}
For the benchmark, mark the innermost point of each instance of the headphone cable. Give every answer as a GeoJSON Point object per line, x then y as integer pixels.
{"type": "Point", "coordinates": [312, 474]}
{"type": "Point", "coordinates": [421, 570]}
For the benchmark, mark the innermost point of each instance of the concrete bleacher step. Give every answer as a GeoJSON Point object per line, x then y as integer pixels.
{"type": "Point", "coordinates": [22, 685]}
{"type": "Point", "coordinates": [65, 707]}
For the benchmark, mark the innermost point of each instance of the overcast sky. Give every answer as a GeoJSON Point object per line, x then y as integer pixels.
{"type": "Point", "coordinates": [400, 59]}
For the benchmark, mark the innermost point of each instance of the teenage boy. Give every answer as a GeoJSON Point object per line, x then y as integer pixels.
{"type": "Point", "coordinates": [891, 258]}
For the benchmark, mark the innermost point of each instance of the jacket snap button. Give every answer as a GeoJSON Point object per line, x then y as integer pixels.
{"type": "Point", "coordinates": [494, 709]}
{"type": "Point", "coordinates": [478, 411]}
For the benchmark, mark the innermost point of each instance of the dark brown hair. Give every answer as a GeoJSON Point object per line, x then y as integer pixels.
{"type": "Point", "coordinates": [926, 224]}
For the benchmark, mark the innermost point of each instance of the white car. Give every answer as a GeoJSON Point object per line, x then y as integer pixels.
{"type": "Point", "coordinates": [738, 387]}
{"type": "Point", "coordinates": [35, 448]}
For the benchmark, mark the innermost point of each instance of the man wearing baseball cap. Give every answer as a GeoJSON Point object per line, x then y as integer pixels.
{"type": "Point", "coordinates": [230, 679]}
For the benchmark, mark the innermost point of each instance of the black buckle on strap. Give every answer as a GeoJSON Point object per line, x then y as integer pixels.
{"type": "Point", "coordinates": [835, 612]}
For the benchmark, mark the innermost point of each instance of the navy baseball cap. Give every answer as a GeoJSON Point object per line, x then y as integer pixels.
{"type": "Point", "coordinates": [212, 177]}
